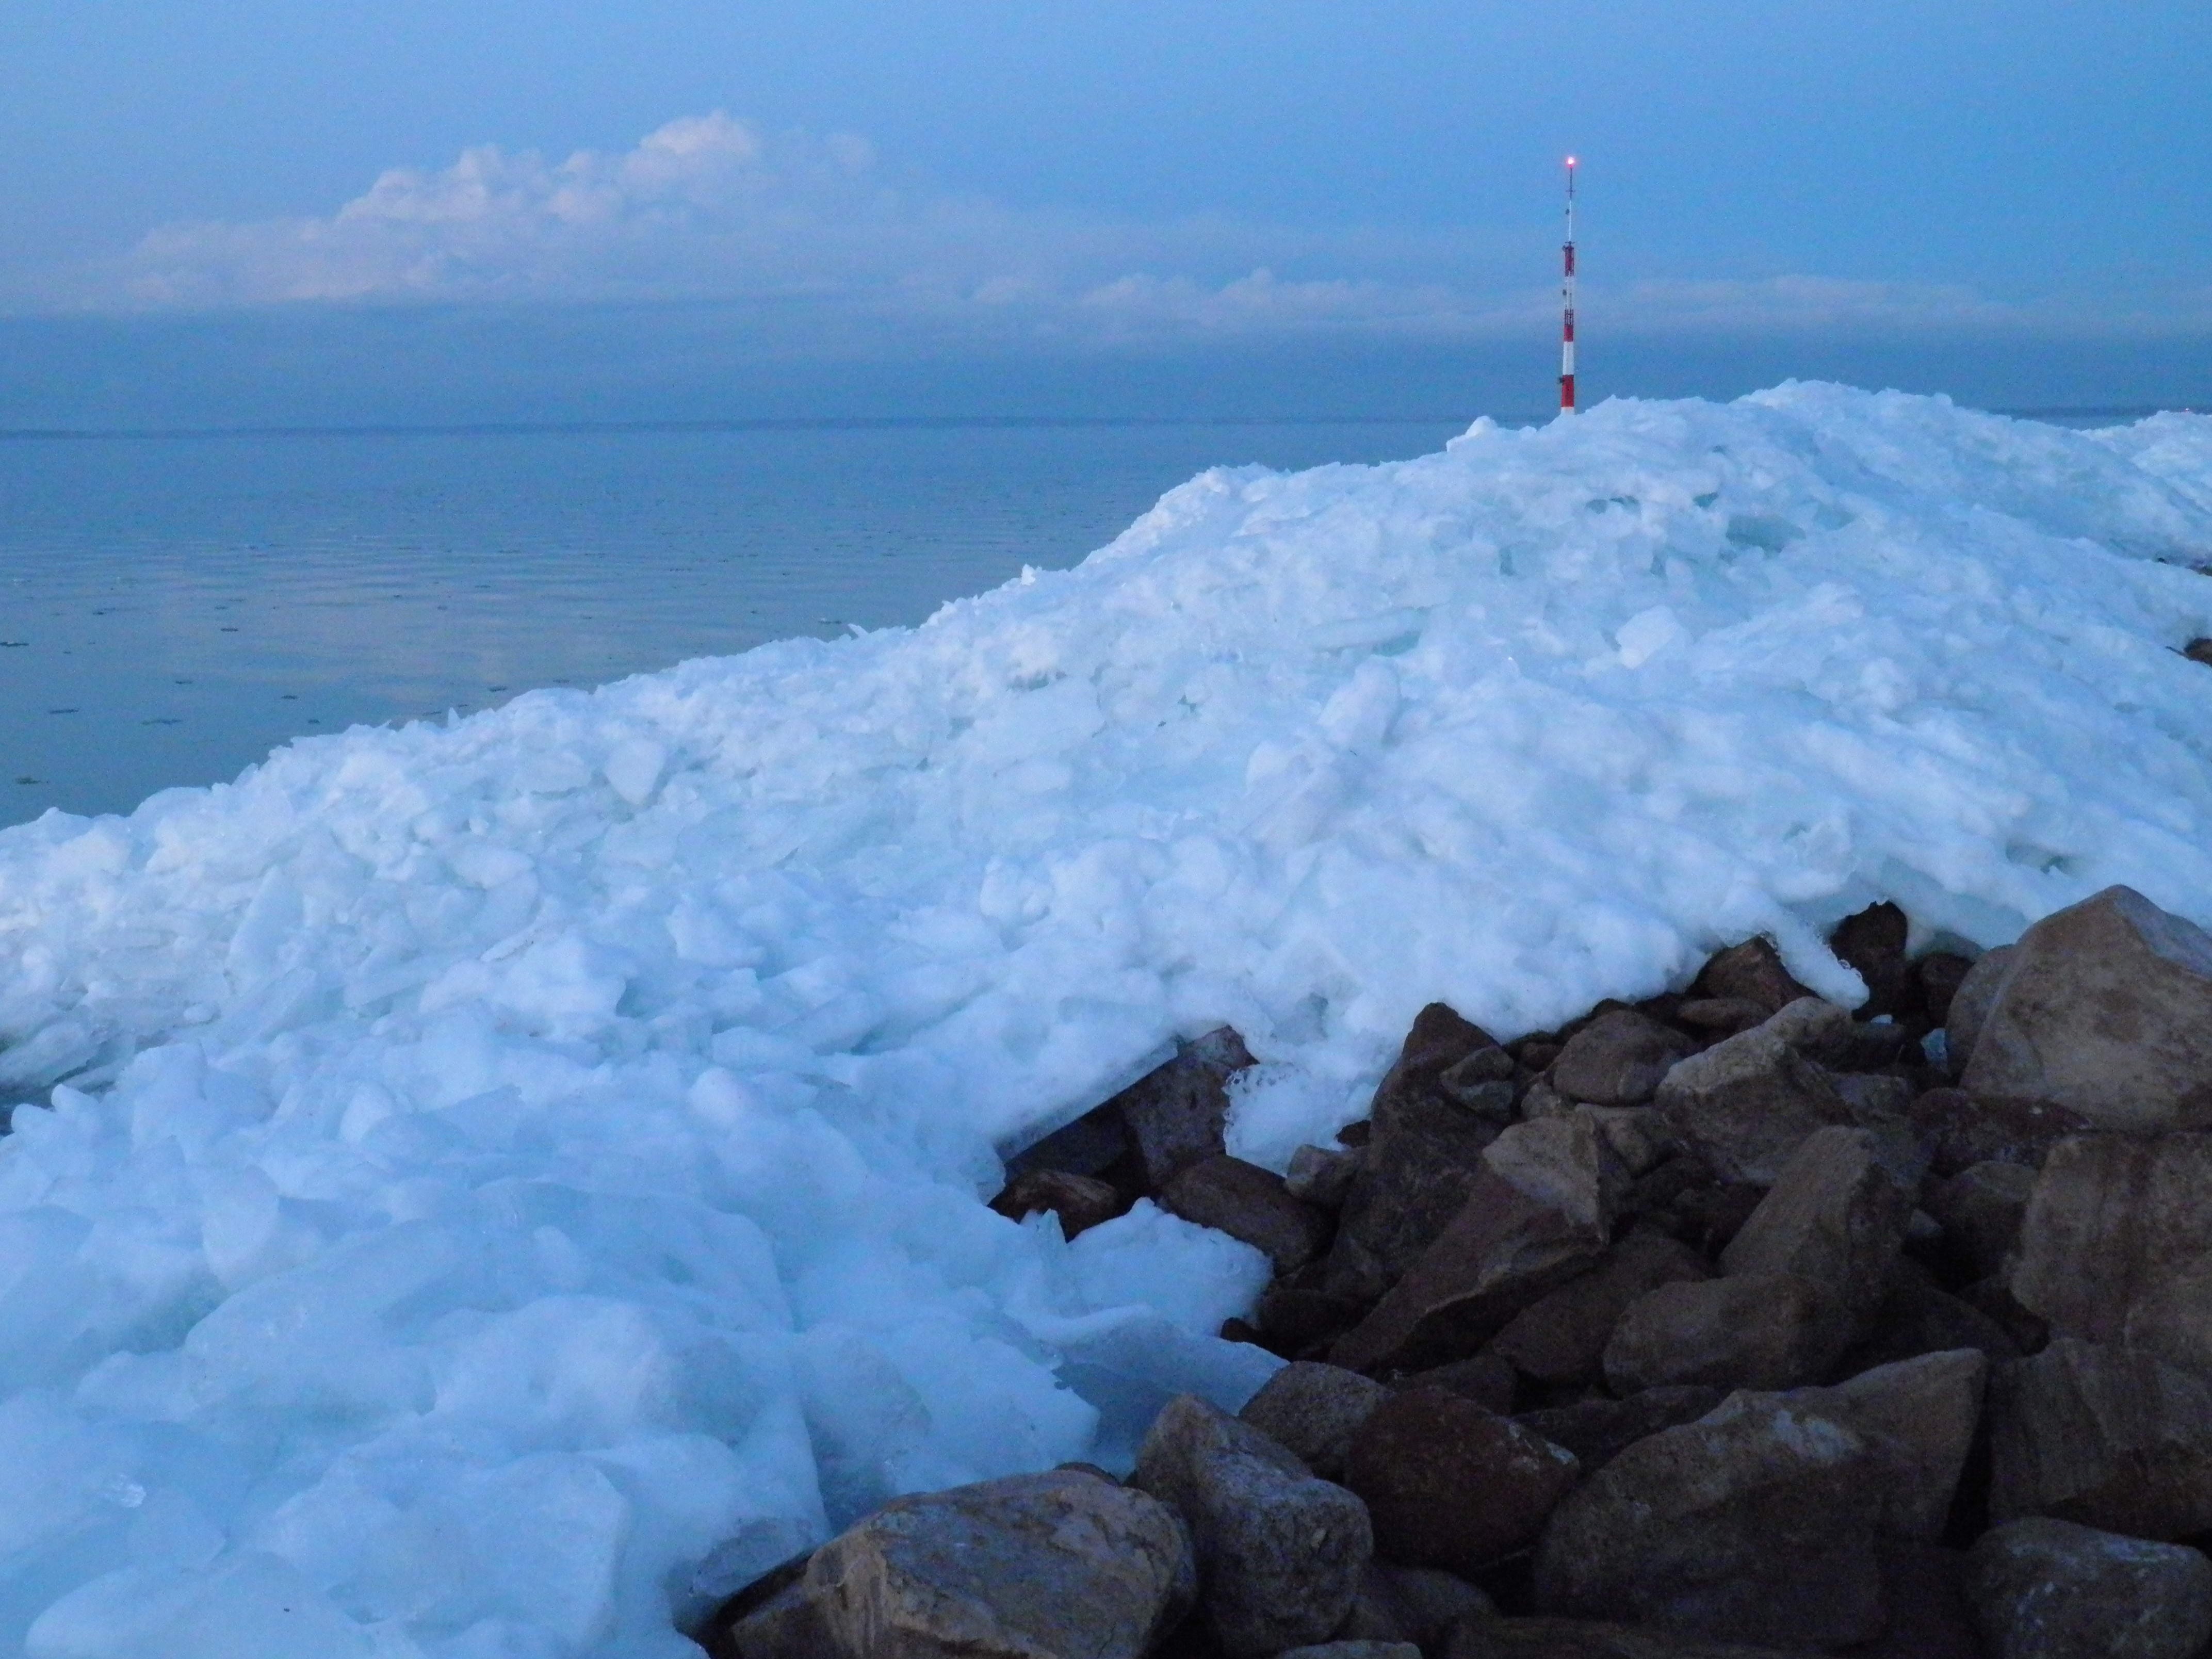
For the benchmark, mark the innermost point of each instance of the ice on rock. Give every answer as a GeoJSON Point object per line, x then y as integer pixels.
{"type": "Point", "coordinates": [511, 1180]}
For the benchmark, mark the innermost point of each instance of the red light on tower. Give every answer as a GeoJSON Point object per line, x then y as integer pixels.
{"type": "Point", "coordinates": [1567, 305]}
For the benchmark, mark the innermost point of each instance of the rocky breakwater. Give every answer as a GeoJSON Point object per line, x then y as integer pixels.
{"type": "Point", "coordinates": [1729, 1323]}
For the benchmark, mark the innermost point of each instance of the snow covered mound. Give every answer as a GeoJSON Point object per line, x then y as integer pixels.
{"type": "Point", "coordinates": [517, 1179]}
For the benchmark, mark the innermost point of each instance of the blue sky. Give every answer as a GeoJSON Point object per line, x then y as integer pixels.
{"type": "Point", "coordinates": [850, 180]}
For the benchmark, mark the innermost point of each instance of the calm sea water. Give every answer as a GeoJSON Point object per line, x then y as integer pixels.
{"type": "Point", "coordinates": [174, 607]}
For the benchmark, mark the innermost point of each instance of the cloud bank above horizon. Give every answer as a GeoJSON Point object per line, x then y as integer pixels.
{"type": "Point", "coordinates": [817, 232]}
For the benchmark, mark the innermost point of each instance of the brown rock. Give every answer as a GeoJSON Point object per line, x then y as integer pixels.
{"type": "Point", "coordinates": [1872, 941]}
{"type": "Point", "coordinates": [1937, 977]}
{"type": "Point", "coordinates": [1485, 1379]}
{"type": "Point", "coordinates": [1993, 1297]}
{"type": "Point", "coordinates": [1918, 1418]}
{"type": "Point", "coordinates": [1745, 1104]}
{"type": "Point", "coordinates": [1591, 1638]}
{"type": "Point", "coordinates": [1755, 1524]}
{"type": "Point", "coordinates": [1322, 1176]}
{"type": "Point", "coordinates": [1638, 1135]}
{"type": "Point", "coordinates": [1424, 1148]}
{"type": "Point", "coordinates": [1249, 1203]}
{"type": "Point", "coordinates": [1617, 1060]}
{"type": "Point", "coordinates": [1296, 1316]}
{"type": "Point", "coordinates": [1835, 1219]}
{"type": "Point", "coordinates": [1562, 1337]}
{"type": "Point", "coordinates": [1450, 1485]}
{"type": "Point", "coordinates": [1923, 1586]}
{"type": "Point", "coordinates": [1749, 972]}
{"type": "Point", "coordinates": [2105, 1009]}
{"type": "Point", "coordinates": [1279, 1552]}
{"type": "Point", "coordinates": [1539, 1212]}
{"type": "Point", "coordinates": [1598, 1431]}
{"type": "Point", "coordinates": [1749, 1331]}
{"type": "Point", "coordinates": [1919, 1316]}
{"type": "Point", "coordinates": [1726, 1015]}
{"type": "Point", "coordinates": [2051, 1589]}
{"type": "Point", "coordinates": [1981, 1209]}
{"type": "Point", "coordinates": [1081, 1202]}
{"type": "Point", "coordinates": [1971, 1004]}
{"type": "Point", "coordinates": [1429, 1601]}
{"type": "Point", "coordinates": [2116, 1245]}
{"type": "Point", "coordinates": [1960, 1131]}
{"type": "Point", "coordinates": [1176, 1112]}
{"type": "Point", "coordinates": [1008, 1569]}
{"type": "Point", "coordinates": [2102, 1436]}
{"type": "Point", "coordinates": [1314, 1410]}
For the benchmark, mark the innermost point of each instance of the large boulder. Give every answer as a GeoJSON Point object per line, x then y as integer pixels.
{"type": "Point", "coordinates": [1249, 1203]}
{"type": "Point", "coordinates": [1970, 1002]}
{"type": "Point", "coordinates": [1452, 1485]}
{"type": "Point", "coordinates": [1177, 1112]}
{"type": "Point", "coordinates": [1745, 1104]}
{"type": "Point", "coordinates": [1751, 972]}
{"type": "Point", "coordinates": [1446, 1099]}
{"type": "Point", "coordinates": [2105, 1009]}
{"type": "Point", "coordinates": [1539, 1213]}
{"type": "Point", "coordinates": [1872, 941]}
{"type": "Point", "coordinates": [1918, 1418]}
{"type": "Point", "coordinates": [1619, 1059]}
{"type": "Point", "coordinates": [1599, 1429]}
{"type": "Point", "coordinates": [2051, 1589]}
{"type": "Point", "coordinates": [1835, 1218]}
{"type": "Point", "coordinates": [2103, 1435]}
{"type": "Point", "coordinates": [1980, 1209]}
{"type": "Point", "coordinates": [1919, 1316]}
{"type": "Point", "coordinates": [1314, 1410]}
{"type": "Point", "coordinates": [2116, 1244]}
{"type": "Point", "coordinates": [1561, 1338]}
{"type": "Point", "coordinates": [1591, 1638]}
{"type": "Point", "coordinates": [1032, 1567]}
{"type": "Point", "coordinates": [1960, 1131]}
{"type": "Point", "coordinates": [1745, 1331]}
{"type": "Point", "coordinates": [1080, 1202]}
{"type": "Point", "coordinates": [1280, 1552]}
{"type": "Point", "coordinates": [1756, 1523]}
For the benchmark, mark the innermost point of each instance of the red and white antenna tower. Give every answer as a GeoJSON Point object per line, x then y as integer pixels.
{"type": "Point", "coordinates": [1567, 302]}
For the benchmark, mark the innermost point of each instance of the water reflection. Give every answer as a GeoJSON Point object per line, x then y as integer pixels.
{"type": "Point", "coordinates": [172, 608]}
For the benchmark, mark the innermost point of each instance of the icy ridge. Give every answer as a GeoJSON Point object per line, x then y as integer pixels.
{"type": "Point", "coordinates": [504, 1163]}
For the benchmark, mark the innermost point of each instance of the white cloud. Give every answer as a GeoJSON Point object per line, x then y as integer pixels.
{"type": "Point", "coordinates": [817, 232]}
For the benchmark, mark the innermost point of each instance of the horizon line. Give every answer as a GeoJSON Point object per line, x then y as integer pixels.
{"type": "Point", "coordinates": [881, 422]}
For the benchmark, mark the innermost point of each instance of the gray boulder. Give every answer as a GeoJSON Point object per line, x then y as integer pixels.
{"type": "Point", "coordinates": [1177, 1112]}
{"type": "Point", "coordinates": [1918, 1418]}
{"type": "Point", "coordinates": [1969, 1005]}
{"type": "Point", "coordinates": [1561, 1338]}
{"type": "Point", "coordinates": [1424, 1150]}
{"type": "Point", "coordinates": [1322, 1175]}
{"type": "Point", "coordinates": [1033, 1566]}
{"type": "Point", "coordinates": [1745, 1331]}
{"type": "Point", "coordinates": [1249, 1203]}
{"type": "Point", "coordinates": [1314, 1410]}
{"type": "Point", "coordinates": [1748, 1102]}
{"type": "Point", "coordinates": [1279, 1550]}
{"type": "Point", "coordinates": [1539, 1213]}
{"type": "Point", "coordinates": [1835, 1218]}
{"type": "Point", "coordinates": [1756, 1523]}
{"type": "Point", "coordinates": [1750, 972]}
{"type": "Point", "coordinates": [1591, 1638]}
{"type": "Point", "coordinates": [2105, 1009]}
{"type": "Point", "coordinates": [1081, 1202]}
{"type": "Point", "coordinates": [1452, 1485]}
{"type": "Point", "coordinates": [2103, 1436]}
{"type": "Point", "coordinates": [2051, 1589]}
{"type": "Point", "coordinates": [1598, 1431]}
{"type": "Point", "coordinates": [2116, 1244]}
{"type": "Point", "coordinates": [1980, 1209]}
{"type": "Point", "coordinates": [1617, 1060]}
